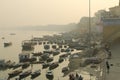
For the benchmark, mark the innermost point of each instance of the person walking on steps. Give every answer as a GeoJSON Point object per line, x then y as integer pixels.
{"type": "Point", "coordinates": [107, 66]}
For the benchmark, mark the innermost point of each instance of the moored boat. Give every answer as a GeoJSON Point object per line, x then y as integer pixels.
{"type": "Point", "coordinates": [45, 65]}
{"type": "Point", "coordinates": [53, 65]}
{"type": "Point", "coordinates": [24, 57]}
{"type": "Point", "coordinates": [6, 44]}
{"type": "Point", "coordinates": [2, 63]}
{"type": "Point", "coordinates": [17, 65]}
{"type": "Point", "coordinates": [50, 59]}
{"type": "Point", "coordinates": [25, 74]}
{"type": "Point", "coordinates": [46, 47]}
{"type": "Point", "coordinates": [65, 69]}
{"type": "Point", "coordinates": [49, 75]}
{"type": "Point", "coordinates": [55, 52]}
{"type": "Point", "coordinates": [61, 60]}
{"type": "Point", "coordinates": [12, 34]}
{"type": "Point", "coordinates": [54, 46]}
{"type": "Point", "coordinates": [35, 74]}
{"type": "Point", "coordinates": [45, 56]}
{"type": "Point", "coordinates": [63, 55]}
{"type": "Point", "coordinates": [37, 54]}
{"type": "Point", "coordinates": [27, 45]}
{"type": "Point", "coordinates": [32, 59]}
{"type": "Point", "coordinates": [9, 64]}
{"type": "Point", "coordinates": [15, 73]}
{"type": "Point", "coordinates": [25, 65]}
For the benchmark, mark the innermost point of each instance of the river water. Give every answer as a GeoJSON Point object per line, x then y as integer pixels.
{"type": "Point", "coordinates": [11, 53]}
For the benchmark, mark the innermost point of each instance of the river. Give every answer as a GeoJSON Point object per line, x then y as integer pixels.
{"type": "Point", "coordinates": [11, 53]}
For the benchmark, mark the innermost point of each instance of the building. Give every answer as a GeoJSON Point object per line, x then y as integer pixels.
{"type": "Point", "coordinates": [111, 24]}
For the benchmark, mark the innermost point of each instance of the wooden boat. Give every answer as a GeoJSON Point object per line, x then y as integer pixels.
{"type": "Point", "coordinates": [65, 69]}
{"type": "Point", "coordinates": [2, 63]}
{"type": "Point", "coordinates": [24, 57]}
{"type": "Point", "coordinates": [55, 53]}
{"type": "Point", "coordinates": [49, 75]}
{"type": "Point", "coordinates": [50, 59]}
{"type": "Point", "coordinates": [15, 73]}
{"type": "Point", "coordinates": [35, 74]}
{"type": "Point", "coordinates": [44, 42]}
{"type": "Point", "coordinates": [48, 42]}
{"type": "Point", "coordinates": [17, 65]}
{"type": "Point", "coordinates": [63, 55]}
{"type": "Point", "coordinates": [46, 47]}
{"type": "Point", "coordinates": [45, 65]}
{"type": "Point", "coordinates": [6, 44]}
{"type": "Point", "coordinates": [60, 60]}
{"type": "Point", "coordinates": [53, 65]}
{"type": "Point", "coordinates": [65, 46]}
{"type": "Point", "coordinates": [54, 46]}
{"type": "Point", "coordinates": [32, 59]}
{"type": "Point", "coordinates": [12, 34]}
{"type": "Point", "coordinates": [25, 74]}
{"type": "Point", "coordinates": [60, 46]}
{"type": "Point", "coordinates": [3, 37]}
{"type": "Point", "coordinates": [9, 64]}
{"type": "Point", "coordinates": [47, 51]}
{"type": "Point", "coordinates": [39, 43]}
{"type": "Point", "coordinates": [37, 54]}
{"type": "Point", "coordinates": [45, 56]}
{"type": "Point", "coordinates": [63, 50]}
{"type": "Point", "coordinates": [27, 45]}
{"type": "Point", "coordinates": [25, 65]}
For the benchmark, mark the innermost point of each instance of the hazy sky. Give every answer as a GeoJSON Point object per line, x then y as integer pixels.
{"type": "Point", "coordinates": [42, 12]}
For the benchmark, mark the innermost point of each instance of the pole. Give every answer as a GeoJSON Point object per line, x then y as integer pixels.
{"type": "Point", "coordinates": [89, 35]}
{"type": "Point", "coordinates": [89, 21]}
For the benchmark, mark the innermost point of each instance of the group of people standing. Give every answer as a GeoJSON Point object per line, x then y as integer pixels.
{"type": "Point", "coordinates": [75, 77]}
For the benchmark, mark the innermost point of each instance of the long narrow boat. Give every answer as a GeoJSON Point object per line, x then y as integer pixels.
{"type": "Point", "coordinates": [17, 65]}
{"type": "Point", "coordinates": [45, 65]}
{"type": "Point", "coordinates": [25, 74]}
{"type": "Point", "coordinates": [53, 65]}
{"type": "Point", "coordinates": [25, 65]}
{"type": "Point", "coordinates": [37, 53]}
{"type": "Point", "coordinates": [7, 44]}
{"type": "Point", "coordinates": [35, 74]}
{"type": "Point", "coordinates": [15, 73]}
{"type": "Point", "coordinates": [61, 60]}
{"type": "Point", "coordinates": [65, 69]}
{"type": "Point", "coordinates": [49, 75]}
{"type": "Point", "coordinates": [50, 59]}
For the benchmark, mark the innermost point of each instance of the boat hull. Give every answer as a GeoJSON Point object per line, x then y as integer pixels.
{"type": "Point", "coordinates": [24, 75]}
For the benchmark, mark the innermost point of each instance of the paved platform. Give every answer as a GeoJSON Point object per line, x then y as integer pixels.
{"type": "Point", "coordinates": [114, 73]}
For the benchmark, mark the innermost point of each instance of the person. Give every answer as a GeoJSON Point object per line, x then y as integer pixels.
{"type": "Point", "coordinates": [71, 77]}
{"type": "Point", "coordinates": [80, 78]}
{"type": "Point", "coordinates": [108, 66]}
{"type": "Point", "coordinates": [77, 76]}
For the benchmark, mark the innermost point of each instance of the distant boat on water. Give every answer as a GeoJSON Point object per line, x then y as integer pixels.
{"type": "Point", "coordinates": [12, 34]}
{"type": "Point", "coordinates": [3, 37]}
{"type": "Point", "coordinates": [49, 75]}
{"type": "Point", "coordinates": [25, 74]}
{"type": "Point", "coordinates": [35, 74]}
{"type": "Point", "coordinates": [15, 73]}
{"type": "Point", "coordinates": [6, 44]}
